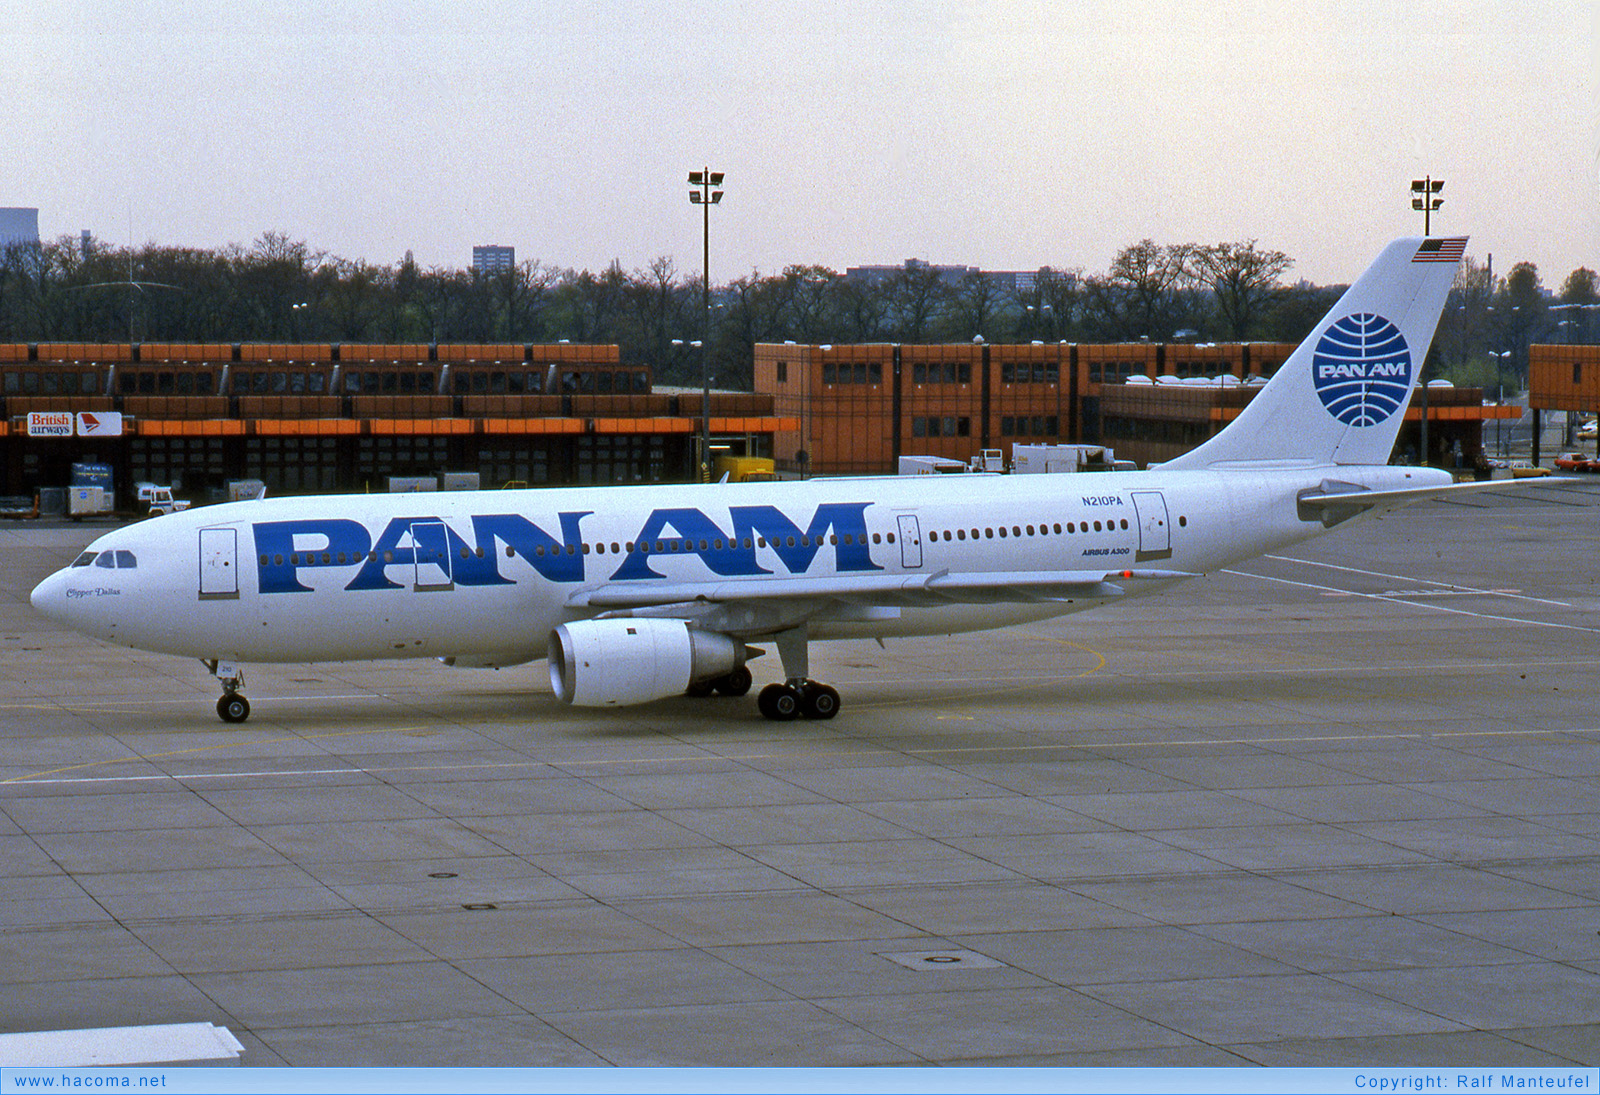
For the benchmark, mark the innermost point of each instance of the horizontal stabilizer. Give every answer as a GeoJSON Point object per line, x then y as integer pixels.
{"type": "Point", "coordinates": [1336, 496]}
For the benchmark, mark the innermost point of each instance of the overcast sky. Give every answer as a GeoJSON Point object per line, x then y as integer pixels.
{"type": "Point", "coordinates": [1007, 134]}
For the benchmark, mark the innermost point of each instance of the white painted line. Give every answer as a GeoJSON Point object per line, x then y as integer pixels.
{"type": "Point", "coordinates": [1425, 581]}
{"type": "Point", "coordinates": [1419, 604]}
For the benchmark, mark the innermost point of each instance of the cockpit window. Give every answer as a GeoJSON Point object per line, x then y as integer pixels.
{"type": "Point", "coordinates": [111, 560]}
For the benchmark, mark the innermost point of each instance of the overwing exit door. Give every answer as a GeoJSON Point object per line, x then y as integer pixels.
{"type": "Point", "coordinates": [910, 541]}
{"type": "Point", "coordinates": [430, 543]}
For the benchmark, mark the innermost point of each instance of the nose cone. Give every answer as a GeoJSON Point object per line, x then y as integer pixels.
{"type": "Point", "coordinates": [86, 599]}
{"type": "Point", "coordinates": [49, 597]}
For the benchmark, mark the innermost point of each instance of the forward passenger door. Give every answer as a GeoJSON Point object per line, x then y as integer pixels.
{"type": "Point", "coordinates": [219, 564]}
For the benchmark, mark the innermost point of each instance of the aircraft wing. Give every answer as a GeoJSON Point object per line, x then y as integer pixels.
{"type": "Point", "coordinates": [939, 587]}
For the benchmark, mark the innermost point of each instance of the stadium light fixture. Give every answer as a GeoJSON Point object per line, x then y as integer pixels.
{"type": "Point", "coordinates": [1425, 199]}
{"type": "Point", "coordinates": [705, 197]}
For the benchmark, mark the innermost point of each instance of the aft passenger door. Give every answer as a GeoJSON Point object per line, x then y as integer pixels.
{"type": "Point", "coordinates": [219, 564]}
{"type": "Point", "coordinates": [910, 541]}
{"type": "Point", "coordinates": [1155, 530]}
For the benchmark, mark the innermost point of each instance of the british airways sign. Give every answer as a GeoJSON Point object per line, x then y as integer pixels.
{"type": "Point", "coordinates": [428, 550]}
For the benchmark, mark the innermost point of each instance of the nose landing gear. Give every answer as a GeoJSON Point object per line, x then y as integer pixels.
{"type": "Point", "coordinates": [232, 707]}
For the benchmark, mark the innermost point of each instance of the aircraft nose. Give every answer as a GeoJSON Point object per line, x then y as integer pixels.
{"type": "Point", "coordinates": [49, 596]}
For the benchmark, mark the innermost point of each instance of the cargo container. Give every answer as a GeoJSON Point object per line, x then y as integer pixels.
{"type": "Point", "coordinates": [459, 480]}
{"type": "Point", "coordinates": [245, 490]}
{"type": "Point", "coordinates": [87, 502]}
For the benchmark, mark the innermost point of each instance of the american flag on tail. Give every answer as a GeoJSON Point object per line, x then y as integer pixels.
{"type": "Point", "coordinates": [1441, 250]}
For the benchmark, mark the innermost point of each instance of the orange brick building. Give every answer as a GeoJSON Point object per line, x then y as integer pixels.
{"type": "Point", "coordinates": [856, 409]}
{"type": "Point", "coordinates": [322, 417]}
{"type": "Point", "coordinates": [1564, 378]}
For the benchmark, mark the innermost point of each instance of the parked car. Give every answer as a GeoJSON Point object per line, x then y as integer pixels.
{"type": "Point", "coordinates": [1577, 461]}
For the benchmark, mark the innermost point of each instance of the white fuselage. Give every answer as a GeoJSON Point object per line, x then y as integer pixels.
{"type": "Point", "coordinates": [484, 576]}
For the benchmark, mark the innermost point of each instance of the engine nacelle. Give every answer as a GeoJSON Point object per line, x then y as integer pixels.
{"type": "Point", "coordinates": [615, 663]}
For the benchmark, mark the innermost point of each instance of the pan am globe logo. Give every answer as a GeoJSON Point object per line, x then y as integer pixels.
{"type": "Point", "coordinates": [1362, 369]}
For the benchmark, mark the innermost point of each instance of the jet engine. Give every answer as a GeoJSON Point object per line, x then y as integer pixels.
{"type": "Point", "coordinates": [614, 663]}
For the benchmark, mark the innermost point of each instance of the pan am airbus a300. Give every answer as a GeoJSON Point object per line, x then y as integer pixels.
{"type": "Point", "coordinates": [634, 594]}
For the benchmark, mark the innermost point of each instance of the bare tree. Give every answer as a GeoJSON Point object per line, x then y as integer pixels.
{"type": "Point", "coordinates": [1242, 280]}
{"type": "Point", "coordinates": [815, 302]}
{"type": "Point", "coordinates": [1141, 295]}
{"type": "Point", "coordinates": [975, 307]}
{"type": "Point", "coordinates": [915, 297]}
{"type": "Point", "coordinates": [863, 312]}
{"type": "Point", "coordinates": [1060, 301]}
{"type": "Point", "coordinates": [660, 300]}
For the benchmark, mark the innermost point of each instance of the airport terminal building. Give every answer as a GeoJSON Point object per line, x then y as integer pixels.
{"type": "Point", "coordinates": [323, 417]}
{"type": "Point", "coordinates": [314, 418]}
{"type": "Point", "coordinates": [858, 408]}
{"type": "Point", "coordinates": [1565, 378]}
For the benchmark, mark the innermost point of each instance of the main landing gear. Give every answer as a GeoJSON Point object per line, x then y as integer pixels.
{"type": "Point", "coordinates": [232, 707]}
{"type": "Point", "coordinates": [799, 694]}
{"type": "Point", "coordinates": [791, 699]}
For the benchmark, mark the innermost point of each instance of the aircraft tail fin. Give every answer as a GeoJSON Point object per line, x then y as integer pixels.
{"type": "Point", "coordinates": [1342, 395]}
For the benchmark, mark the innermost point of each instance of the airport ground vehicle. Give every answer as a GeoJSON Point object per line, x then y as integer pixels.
{"type": "Point", "coordinates": [162, 502]}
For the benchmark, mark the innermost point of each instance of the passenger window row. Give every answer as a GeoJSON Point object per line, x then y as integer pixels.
{"type": "Point", "coordinates": [1018, 531]}
{"type": "Point", "coordinates": [659, 547]}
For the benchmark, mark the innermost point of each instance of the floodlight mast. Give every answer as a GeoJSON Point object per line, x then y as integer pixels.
{"type": "Point", "coordinates": [705, 197]}
{"type": "Point", "coordinates": [1425, 199]}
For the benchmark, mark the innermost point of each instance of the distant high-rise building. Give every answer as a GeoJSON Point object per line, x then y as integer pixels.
{"type": "Point", "coordinates": [19, 225]}
{"type": "Point", "coordinates": [491, 258]}
{"type": "Point", "coordinates": [874, 275]}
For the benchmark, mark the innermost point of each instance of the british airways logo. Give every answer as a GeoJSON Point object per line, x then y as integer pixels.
{"type": "Point", "coordinates": [1361, 368]}
{"type": "Point", "coordinates": [428, 552]}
